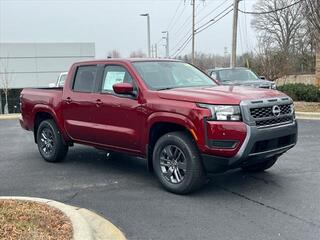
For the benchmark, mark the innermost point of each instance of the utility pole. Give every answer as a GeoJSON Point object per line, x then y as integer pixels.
{"type": "Point", "coordinates": [151, 54]}
{"type": "Point", "coordinates": [156, 50]}
{"type": "Point", "coordinates": [225, 61]}
{"type": "Point", "coordinates": [193, 28]}
{"type": "Point", "coordinates": [167, 43]}
{"type": "Point", "coordinates": [148, 31]}
{"type": "Point", "coordinates": [234, 34]}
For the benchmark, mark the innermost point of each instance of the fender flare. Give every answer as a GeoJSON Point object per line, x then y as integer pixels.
{"type": "Point", "coordinates": [47, 109]}
{"type": "Point", "coordinates": [168, 117]}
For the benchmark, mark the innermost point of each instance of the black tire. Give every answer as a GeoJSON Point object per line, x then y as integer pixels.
{"type": "Point", "coordinates": [50, 142]}
{"type": "Point", "coordinates": [262, 166]}
{"type": "Point", "coordinates": [186, 164]}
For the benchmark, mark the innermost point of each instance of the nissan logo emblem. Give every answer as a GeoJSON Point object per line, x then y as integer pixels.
{"type": "Point", "coordinates": [276, 111]}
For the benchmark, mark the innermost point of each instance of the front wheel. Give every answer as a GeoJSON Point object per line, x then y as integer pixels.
{"type": "Point", "coordinates": [260, 167]}
{"type": "Point", "coordinates": [177, 163]}
{"type": "Point", "coordinates": [50, 143]}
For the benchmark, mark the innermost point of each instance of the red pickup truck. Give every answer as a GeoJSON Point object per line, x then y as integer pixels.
{"type": "Point", "coordinates": [176, 117]}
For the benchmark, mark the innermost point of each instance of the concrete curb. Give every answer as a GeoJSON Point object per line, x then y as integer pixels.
{"type": "Point", "coordinates": [308, 115]}
{"type": "Point", "coordinates": [10, 116]}
{"type": "Point", "coordinates": [87, 225]}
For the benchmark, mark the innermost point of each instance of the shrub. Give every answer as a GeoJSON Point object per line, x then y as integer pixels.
{"type": "Point", "coordinates": [301, 92]}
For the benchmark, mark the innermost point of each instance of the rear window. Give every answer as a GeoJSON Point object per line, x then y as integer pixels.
{"type": "Point", "coordinates": [85, 79]}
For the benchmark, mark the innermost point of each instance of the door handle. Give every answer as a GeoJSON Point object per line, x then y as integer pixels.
{"type": "Point", "coordinates": [68, 100]}
{"type": "Point", "coordinates": [98, 102]}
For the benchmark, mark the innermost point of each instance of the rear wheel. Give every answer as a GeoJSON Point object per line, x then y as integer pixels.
{"type": "Point", "coordinates": [177, 163]}
{"type": "Point", "coordinates": [260, 167]}
{"type": "Point", "coordinates": [50, 143]}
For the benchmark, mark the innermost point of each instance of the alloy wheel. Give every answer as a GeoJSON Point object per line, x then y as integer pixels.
{"type": "Point", "coordinates": [173, 164]}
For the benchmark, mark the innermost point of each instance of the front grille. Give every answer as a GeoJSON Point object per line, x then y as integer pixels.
{"type": "Point", "coordinates": [274, 121]}
{"type": "Point", "coordinates": [263, 116]}
{"type": "Point", "coordinates": [263, 112]}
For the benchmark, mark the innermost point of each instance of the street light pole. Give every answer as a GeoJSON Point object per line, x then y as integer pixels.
{"type": "Point", "coordinates": [148, 31]}
{"type": "Point", "coordinates": [167, 43]}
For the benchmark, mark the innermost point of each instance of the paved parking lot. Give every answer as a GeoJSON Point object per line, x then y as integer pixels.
{"type": "Point", "coordinates": [283, 203]}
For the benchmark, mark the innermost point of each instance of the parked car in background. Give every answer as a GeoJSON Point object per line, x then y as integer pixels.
{"type": "Point", "coordinates": [60, 80]}
{"type": "Point", "coordinates": [240, 77]}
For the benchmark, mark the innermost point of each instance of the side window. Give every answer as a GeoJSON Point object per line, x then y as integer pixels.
{"type": "Point", "coordinates": [214, 75]}
{"type": "Point", "coordinates": [85, 78]}
{"type": "Point", "coordinates": [113, 75]}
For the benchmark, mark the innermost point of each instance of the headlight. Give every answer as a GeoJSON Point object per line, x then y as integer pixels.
{"type": "Point", "coordinates": [273, 86]}
{"type": "Point", "coordinates": [223, 113]}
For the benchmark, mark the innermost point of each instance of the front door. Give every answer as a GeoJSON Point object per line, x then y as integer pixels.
{"type": "Point", "coordinates": [118, 118]}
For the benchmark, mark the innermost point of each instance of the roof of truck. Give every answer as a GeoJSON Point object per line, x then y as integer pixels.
{"type": "Point", "coordinates": [126, 60]}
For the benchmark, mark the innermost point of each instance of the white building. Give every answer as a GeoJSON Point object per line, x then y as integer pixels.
{"type": "Point", "coordinates": [38, 64]}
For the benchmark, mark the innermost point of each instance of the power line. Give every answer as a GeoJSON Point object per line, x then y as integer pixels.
{"type": "Point", "coordinates": [214, 20]}
{"type": "Point", "coordinates": [272, 11]}
{"type": "Point", "coordinates": [185, 43]}
{"type": "Point", "coordinates": [175, 14]}
{"type": "Point", "coordinates": [188, 32]}
{"type": "Point", "coordinates": [212, 11]}
{"type": "Point", "coordinates": [179, 16]}
{"type": "Point", "coordinates": [181, 28]}
{"type": "Point", "coordinates": [245, 25]}
{"type": "Point", "coordinates": [171, 21]}
{"type": "Point", "coordinates": [241, 36]}
{"type": "Point", "coordinates": [183, 46]}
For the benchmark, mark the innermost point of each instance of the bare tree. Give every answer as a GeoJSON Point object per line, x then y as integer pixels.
{"type": "Point", "coordinates": [313, 16]}
{"type": "Point", "coordinates": [279, 27]}
{"type": "Point", "coordinates": [282, 32]}
{"type": "Point", "coordinates": [114, 54]}
{"type": "Point", "coordinates": [137, 54]}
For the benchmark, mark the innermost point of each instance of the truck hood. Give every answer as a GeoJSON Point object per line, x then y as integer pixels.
{"type": "Point", "coordinates": [218, 94]}
{"type": "Point", "coordinates": [255, 83]}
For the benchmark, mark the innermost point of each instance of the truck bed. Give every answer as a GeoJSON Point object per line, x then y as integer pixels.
{"type": "Point", "coordinates": [32, 98]}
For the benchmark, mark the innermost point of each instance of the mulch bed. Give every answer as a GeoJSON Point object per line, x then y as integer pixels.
{"type": "Point", "coordinates": [307, 106]}
{"type": "Point", "coordinates": [26, 220]}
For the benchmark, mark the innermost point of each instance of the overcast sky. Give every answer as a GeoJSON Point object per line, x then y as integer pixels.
{"type": "Point", "coordinates": [116, 24]}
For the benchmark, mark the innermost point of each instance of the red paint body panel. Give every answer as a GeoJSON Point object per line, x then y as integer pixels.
{"type": "Point", "coordinates": [226, 131]}
{"type": "Point", "coordinates": [111, 121]}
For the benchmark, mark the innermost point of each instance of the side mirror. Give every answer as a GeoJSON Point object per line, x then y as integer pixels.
{"type": "Point", "coordinates": [123, 88]}
{"type": "Point", "coordinates": [263, 77]}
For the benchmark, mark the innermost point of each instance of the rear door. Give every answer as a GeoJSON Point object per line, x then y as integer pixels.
{"type": "Point", "coordinates": [78, 104]}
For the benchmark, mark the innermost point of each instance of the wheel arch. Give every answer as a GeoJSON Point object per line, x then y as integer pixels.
{"type": "Point", "coordinates": [42, 113]}
{"type": "Point", "coordinates": [162, 123]}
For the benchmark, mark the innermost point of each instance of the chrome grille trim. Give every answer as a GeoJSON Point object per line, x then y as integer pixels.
{"type": "Point", "coordinates": [259, 113]}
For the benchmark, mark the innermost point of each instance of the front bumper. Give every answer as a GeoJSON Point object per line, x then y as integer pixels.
{"type": "Point", "coordinates": [259, 144]}
{"type": "Point", "coordinates": [23, 123]}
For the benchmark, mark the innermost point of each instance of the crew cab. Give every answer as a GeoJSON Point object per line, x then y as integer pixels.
{"type": "Point", "coordinates": [175, 116]}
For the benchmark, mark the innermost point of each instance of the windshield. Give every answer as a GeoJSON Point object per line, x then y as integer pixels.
{"type": "Point", "coordinates": [237, 75]}
{"type": "Point", "coordinates": [165, 75]}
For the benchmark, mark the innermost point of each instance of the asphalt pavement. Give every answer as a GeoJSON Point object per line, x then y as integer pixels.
{"type": "Point", "coordinates": [282, 203]}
